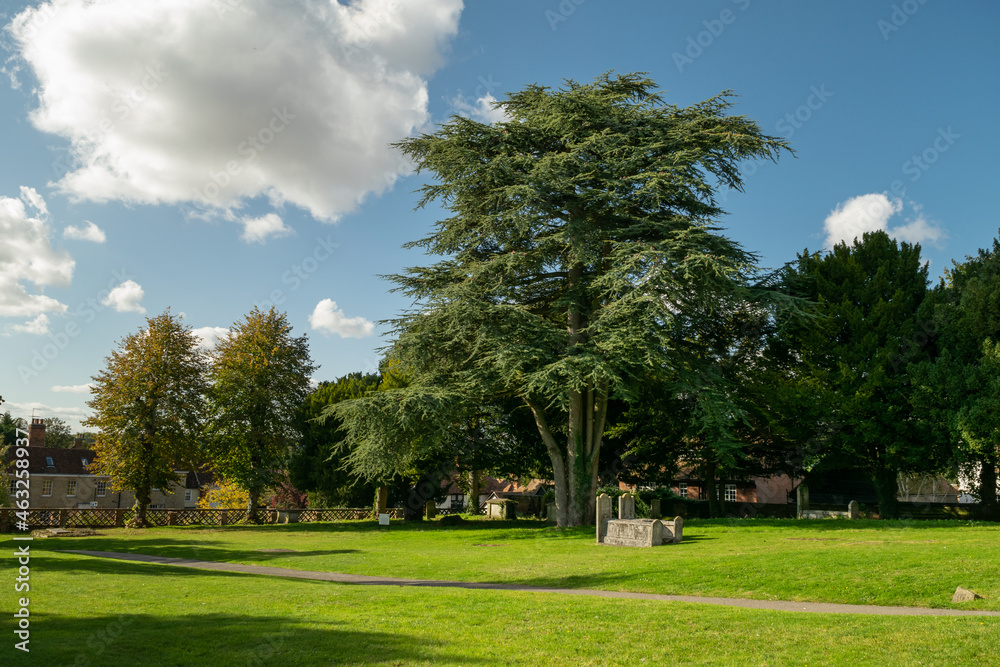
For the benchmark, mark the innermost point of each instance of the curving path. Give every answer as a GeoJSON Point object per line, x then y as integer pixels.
{"type": "Point", "coordinates": [772, 605]}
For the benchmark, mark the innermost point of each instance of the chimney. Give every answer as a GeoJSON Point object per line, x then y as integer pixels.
{"type": "Point", "coordinates": [78, 443]}
{"type": "Point", "coordinates": [36, 433]}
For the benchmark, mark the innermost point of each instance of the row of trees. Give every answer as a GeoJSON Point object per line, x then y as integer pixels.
{"type": "Point", "coordinates": [584, 283]}
{"type": "Point", "coordinates": [588, 321]}
{"type": "Point", "coordinates": [161, 404]}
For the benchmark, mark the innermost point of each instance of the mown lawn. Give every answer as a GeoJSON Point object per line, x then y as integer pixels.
{"type": "Point", "coordinates": [862, 562]}
{"type": "Point", "coordinates": [88, 611]}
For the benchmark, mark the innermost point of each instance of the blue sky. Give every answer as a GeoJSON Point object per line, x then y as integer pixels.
{"type": "Point", "coordinates": [213, 155]}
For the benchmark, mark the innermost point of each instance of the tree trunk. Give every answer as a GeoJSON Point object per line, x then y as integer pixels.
{"type": "Point", "coordinates": [711, 487]}
{"type": "Point", "coordinates": [886, 487]}
{"type": "Point", "coordinates": [575, 470]}
{"type": "Point", "coordinates": [472, 506]}
{"type": "Point", "coordinates": [142, 499]}
{"type": "Point", "coordinates": [252, 496]}
{"type": "Point", "coordinates": [988, 487]}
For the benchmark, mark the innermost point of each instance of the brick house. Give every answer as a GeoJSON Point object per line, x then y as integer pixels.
{"type": "Point", "coordinates": [60, 479]}
{"type": "Point", "coordinates": [770, 490]}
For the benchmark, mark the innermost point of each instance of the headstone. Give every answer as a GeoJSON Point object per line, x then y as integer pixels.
{"type": "Point", "coordinates": [852, 510]}
{"type": "Point", "coordinates": [965, 595]}
{"type": "Point", "coordinates": [430, 509]}
{"type": "Point", "coordinates": [626, 506]}
{"type": "Point", "coordinates": [603, 515]}
{"type": "Point", "coordinates": [654, 508]}
{"type": "Point", "coordinates": [634, 533]}
{"type": "Point", "coordinates": [383, 519]}
{"type": "Point", "coordinates": [550, 513]}
{"type": "Point", "coordinates": [673, 531]}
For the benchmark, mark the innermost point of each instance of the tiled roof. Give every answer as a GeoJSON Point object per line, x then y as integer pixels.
{"type": "Point", "coordinates": [488, 485]}
{"type": "Point", "coordinates": [63, 461]}
{"type": "Point", "coordinates": [74, 461]}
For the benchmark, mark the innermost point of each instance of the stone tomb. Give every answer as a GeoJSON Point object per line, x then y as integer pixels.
{"type": "Point", "coordinates": [627, 531]}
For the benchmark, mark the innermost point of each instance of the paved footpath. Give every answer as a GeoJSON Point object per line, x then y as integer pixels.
{"type": "Point", "coordinates": [773, 605]}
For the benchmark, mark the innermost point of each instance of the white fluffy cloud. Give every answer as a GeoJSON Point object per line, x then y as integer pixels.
{"type": "Point", "coordinates": [209, 336]}
{"type": "Point", "coordinates": [27, 255]}
{"type": "Point", "coordinates": [38, 326]}
{"type": "Point", "coordinates": [872, 212]}
{"type": "Point", "coordinates": [177, 101]}
{"type": "Point", "coordinates": [326, 317]}
{"type": "Point", "coordinates": [127, 297]}
{"type": "Point", "coordinates": [258, 230]}
{"type": "Point", "coordinates": [89, 233]}
{"type": "Point", "coordinates": [72, 389]}
{"type": "Point", "coordinates": [482, 110]}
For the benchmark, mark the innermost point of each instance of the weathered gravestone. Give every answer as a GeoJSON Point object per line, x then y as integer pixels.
{"type": "Point", "coordinates": [627, 531]}
{"type": "Point", "coordinates": [673, 531]}
{"type": "Point", "coordinates": [626, 506]}
{"type": "Point", "coordinates": [634, 533]}
{"type": "Point", "coordinates": [603, 516]}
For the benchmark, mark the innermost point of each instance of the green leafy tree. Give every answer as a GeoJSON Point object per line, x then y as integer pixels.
{"type": "Point", "coordinates": [58, 433]}
{"type": "Point", "coordinates": [259, 376]}
{"type": "Point", "coordinates": [318, 463]}
{"type": "Point", "coordinates": [732, 415]}
{"type": "Point", "coordinates": [579, 228]}
{"type": "Point", "coordinates": [148, 404]}
{"type": "Point", "coordinates": [869, 293]}
{"type": "Point", "coordinates": [9, 426]}
{"type": "Point", "coordinates": [960, 387]}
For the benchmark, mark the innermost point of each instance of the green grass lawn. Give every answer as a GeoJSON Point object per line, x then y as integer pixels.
{"type": "Point", "coordinates": [88, 611]}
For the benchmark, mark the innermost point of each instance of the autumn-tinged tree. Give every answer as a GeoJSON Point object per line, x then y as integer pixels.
{"type": "Point", "coordinates": [578, 228]}
{"type": "Point", "coordinates": [148, 403]}
{"type": "Point", "coordinates": [223, 495]}
{"type": "Point", "coordinates": [259, 376]}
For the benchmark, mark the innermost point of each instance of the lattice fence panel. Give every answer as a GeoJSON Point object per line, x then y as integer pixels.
{"type": "Point", "coordinates": [90, 518]}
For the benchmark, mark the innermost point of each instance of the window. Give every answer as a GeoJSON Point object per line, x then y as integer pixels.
{"type": "Point", "coordinates": [71, 487]}
{"type": "Point", "coordinates": [102, 489]}
{"type": "Point", "coordinates": [13, 487]}
{"type": "Point", "coordinates": [730, 493]}
{"type": "Point", "coordinates": [49, 463]}
{"type": "Point", "coordinates": [188, 495]}
{"type": "Point", "coordinates": [682, 489]}
{"type": "Point", "coordinates": [84, 462]}
{"type": "Point", "coordinates": [46, 487]}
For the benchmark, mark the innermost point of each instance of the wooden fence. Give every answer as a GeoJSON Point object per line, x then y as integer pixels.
{"type": "Point", "coordinates": [116, 518]}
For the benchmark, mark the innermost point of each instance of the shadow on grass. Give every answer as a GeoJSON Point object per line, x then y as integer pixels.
{"type": "Point", "coordinates": [838, 524]}
{"type": "Point", "coordinates": [220, 640]}
{"type": "Point", "coordinates": [180, 548]}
